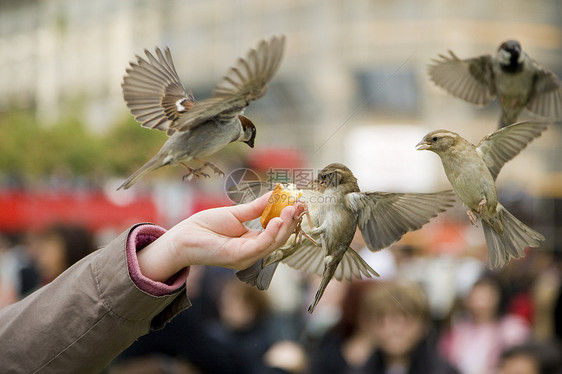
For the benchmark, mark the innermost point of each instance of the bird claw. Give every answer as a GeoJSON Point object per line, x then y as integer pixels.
{"type": "Point", "coordinates": [212, 166]}
{"type": "Point", "coordinates": [472, 217]}
{"type": "Point", "coordinates": [481, 205]}
{"type": "Point", "coordinates": [195, 173]}
{"type": "Point", "coordinates": [302, 233]}
{"type": "Point", "coordinates": [299, 233]}
{"type": "Point", "coordinates": [199, 171]}
{"type": "Point", "coordinates": [217, 171]}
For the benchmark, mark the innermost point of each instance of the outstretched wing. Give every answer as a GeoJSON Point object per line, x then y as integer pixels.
{"type": "Point", "coordinates": [310, 259]}
{"type": "Point", "coordinates": [385, 217]}
{"type": "Point", "coordinates": [244, 82]}
{"type": "Point", "coordinates": [470, 79]}
{"type": "Point", "coordinates": [153, 91]}
{"type": "Point", "coordinates": [546, 97]}
{"type": "Point", "coordinates": [502, 145]}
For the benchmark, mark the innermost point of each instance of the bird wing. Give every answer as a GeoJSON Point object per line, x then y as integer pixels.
{"type": "Point", "coordinates": [153, 91]}
{"type": "Point", "coordinates": [502, 145]}
{"type": "Point", "coordinates": [244, 82]}
{"type": "Point", "coordinates": [385, 217]}
{"type": "Point", "coordinates": [470, 79]}
{"type": "Point", "coordinates": [546, 97]}
{"type": "Point", "coordinates": [310, 259]}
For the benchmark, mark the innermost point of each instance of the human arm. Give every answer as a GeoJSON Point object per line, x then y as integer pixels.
{"type": "Point", "coordinates": [99, 306]}
{"type": "Point", "coordinates": [219, 238]}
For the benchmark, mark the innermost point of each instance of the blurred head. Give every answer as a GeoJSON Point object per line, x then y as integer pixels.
{"type": "Point", "coordinates": [59, 247]}
{"type": "Point", "coordinates": [484, 299]}
{"type": "Point", "coordinates": [349, 322]}
{"type": "Point", "coordinates": [241, 306]}
{"type": "Point", "coordinates": [520, 363]}
{"type": "Point", "coordinates": [531, 358]}
{"type": "Point", "coordinates": [399, 315]}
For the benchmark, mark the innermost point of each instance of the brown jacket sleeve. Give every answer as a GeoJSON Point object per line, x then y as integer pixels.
{"type": "Point", "coordinates": [84, 318]}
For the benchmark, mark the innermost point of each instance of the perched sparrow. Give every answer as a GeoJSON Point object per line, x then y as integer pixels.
{"type": "Point", "coordinates": [336, 207]}
{"type": "Point", "coordinates": [517, 80]}
{"type": "Point", "coordinates": [472, 172]}
{"type": "Point", "coordinates": [158, 100]}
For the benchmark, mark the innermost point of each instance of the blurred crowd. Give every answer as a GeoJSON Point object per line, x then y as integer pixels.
{"type": "Point", "coordinates": [507, 321]}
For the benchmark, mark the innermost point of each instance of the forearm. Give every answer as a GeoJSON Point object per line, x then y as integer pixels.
{"type": "Point", "coordinates": [159, 260]}
{"type": "Point", "coordinates": [85, 317]}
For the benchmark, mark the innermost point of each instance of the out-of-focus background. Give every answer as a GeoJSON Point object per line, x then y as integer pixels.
{"type": "Point", "coordinates": [352, 88]}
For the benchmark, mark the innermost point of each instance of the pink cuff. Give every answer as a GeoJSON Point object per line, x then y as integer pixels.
{"type": "Point", "coordinates": [140, 237]}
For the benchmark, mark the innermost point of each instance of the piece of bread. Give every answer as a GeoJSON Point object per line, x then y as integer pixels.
{"type": "Point", "coordinates": [283, 195]}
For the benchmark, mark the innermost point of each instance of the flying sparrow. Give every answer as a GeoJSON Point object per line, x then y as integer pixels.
{"type": "Point", "coordinates": [158, 100]}
{"type": "Point", "coordinates": [472, 171]}
{"type": "Point", "coordinates": [511, 75]}
{"type": "Point", "coordinates": [336, 207]}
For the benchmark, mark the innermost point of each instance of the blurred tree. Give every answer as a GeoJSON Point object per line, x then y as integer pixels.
{"type": "Point", "coordinates": [127, 146]}
{"type": "Point", "coordinates": [29, 148]}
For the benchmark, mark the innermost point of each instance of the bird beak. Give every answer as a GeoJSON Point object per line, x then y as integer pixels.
{"type": "Point", "coordinates": [423, 145]}
{"type": "Point", "coordinates": [250, 143]}
{"type": "Point", "coordinates": [316, 184]}
{"type": "Point", "coordinates": [247, 124]}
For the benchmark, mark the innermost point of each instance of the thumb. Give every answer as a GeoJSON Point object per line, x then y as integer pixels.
{"type": "Point", "coordinates": [251, 210]}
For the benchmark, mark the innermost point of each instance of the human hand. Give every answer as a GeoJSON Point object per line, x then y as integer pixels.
{"type": "Point", "coordinates": [218, 237]}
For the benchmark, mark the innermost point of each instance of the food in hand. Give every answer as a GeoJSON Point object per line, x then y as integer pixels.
{"type": "Point", "coordinates": [283, 195]}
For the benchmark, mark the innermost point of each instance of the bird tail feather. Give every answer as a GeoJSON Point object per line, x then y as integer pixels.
{"type": "Point", "coordinates": [151, 165]}
{"type": "Point", "coordinates": [257, 275]}
{"type": "Point", "coordinates": [516, 237]}
{"type": "Point", "coordinates": [327, 276]}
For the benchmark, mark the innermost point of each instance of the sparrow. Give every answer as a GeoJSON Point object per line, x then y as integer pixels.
{"type": "Point", "coordinates": [157, 99]}
{"type": "Point", "coordinates": [472, 171]}
{"type": "Point", "coordinates": [335, 208]}
{"type": "Point", "coordinates": [515, 78]}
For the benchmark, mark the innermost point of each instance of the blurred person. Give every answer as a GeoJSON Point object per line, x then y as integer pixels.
{"type": "Point", "coordinates": [328, 313]}
{"type": "Point", "coordinates": [557, 314]}
{"type": "Point", "coordinates": [391, 335]}
{"type": "Point", "coordinates": [154, 365]}
{"type": "Point", "coordinates": [477, 336]}
{"type": "Point", "coordinates": [60, 246]}
{"type": "Point", "coordinates": [531, 358]}
{"type": "Point", "coordinates": [441, 275]}
{"type": "Point", "coordinates": [248, 330]}
{"type": "Point", "coordinates": [348, 345]}
{"type": "Point", "coordinates": [18, 273]}
{"type": "Point", "coordinates": [96, 308]}
{"type": "Point", "coordinates": [187, 337]}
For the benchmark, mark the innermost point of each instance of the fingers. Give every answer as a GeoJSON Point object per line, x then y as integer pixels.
{"type": "Point", "coordinates": [279, 229]}
{"type": "Point", "coordinates": [287, 222]}
{"type": "Point", "coordinates": [249, 211]}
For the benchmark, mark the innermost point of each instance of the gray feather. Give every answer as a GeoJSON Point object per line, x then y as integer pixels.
{"type": "Point", "coordinates": [516, 237]}
{"type": "Point", "coordinates": [151, 165]}
{"type": "Point", "coordinates": [258, 276]}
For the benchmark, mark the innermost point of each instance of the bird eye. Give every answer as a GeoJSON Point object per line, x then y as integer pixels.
{"type": "Point", "coordinates": [434, 138]}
